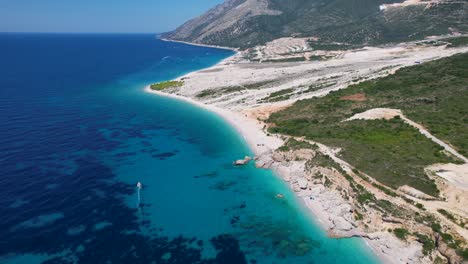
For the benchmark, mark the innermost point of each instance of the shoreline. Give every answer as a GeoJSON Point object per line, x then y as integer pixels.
{"type": "Point", "coordinates": [187, 74]}
{"type": "Point", "coordinates": [327, 209]}
{"type": "Point", "coordinates": [200, 45]}
{"type": "Point", "coordinates": [320, 219]}
{"type": "Point", "coordinates": [252, 132]}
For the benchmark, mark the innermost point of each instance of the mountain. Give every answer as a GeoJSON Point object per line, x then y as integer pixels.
{"type": "Point", "coordinates": [246, 23]}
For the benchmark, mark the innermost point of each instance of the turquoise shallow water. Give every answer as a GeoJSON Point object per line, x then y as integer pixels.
{"type": "Point", "coordinates": [84, 136]}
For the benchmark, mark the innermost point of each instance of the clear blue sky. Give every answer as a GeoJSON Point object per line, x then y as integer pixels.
{"type": "Point", "coordinates": [152, 16]}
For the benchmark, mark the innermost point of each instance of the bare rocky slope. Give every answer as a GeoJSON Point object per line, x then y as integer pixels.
{"type": "Point", "coordinates": [247, 23]}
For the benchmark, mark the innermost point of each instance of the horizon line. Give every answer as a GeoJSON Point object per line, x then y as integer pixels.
{"type": "Point", "coordinates": [77, 33]}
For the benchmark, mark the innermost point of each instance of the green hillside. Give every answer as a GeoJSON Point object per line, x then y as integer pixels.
{"type": "Point", "coordinates": [433, 94]}
{"type": "Point", "coordinates": [350, 21]}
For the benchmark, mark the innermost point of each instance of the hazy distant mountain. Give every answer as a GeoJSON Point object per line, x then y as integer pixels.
{"type": "Point", "coordinates": [246, 23]}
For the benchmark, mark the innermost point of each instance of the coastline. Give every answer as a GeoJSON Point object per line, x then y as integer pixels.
{"type": "Point", "coordinates": [200, 45]}
{"type": "Point", "coordinates": [383, 245]}
{"type": "Point", "coordinates": [242, 111]}
{"type": "Point", "coordinates": [252, 132]}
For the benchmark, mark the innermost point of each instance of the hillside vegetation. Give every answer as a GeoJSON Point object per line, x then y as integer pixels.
{"type": "Point", "coordinates": [433, 94]}
{"type": "Point", "coordinates": [247, 23]}
{"type": "Point", "coordinates": [166, 85]}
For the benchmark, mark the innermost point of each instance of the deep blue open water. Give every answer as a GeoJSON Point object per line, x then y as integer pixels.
{"type": "Point", "coordinates": [78, 132]}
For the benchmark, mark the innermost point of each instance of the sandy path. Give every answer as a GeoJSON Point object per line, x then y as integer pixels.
{"type": "Point", "coordinates": [387, 113]}
{"type": "Point", "coordinates": [423, 131]}
{"type": "Point", "coordinates": [432, 206]}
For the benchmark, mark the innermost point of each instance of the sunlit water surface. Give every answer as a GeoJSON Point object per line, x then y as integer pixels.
{"type": "Point", "coordinates": [78, 132]}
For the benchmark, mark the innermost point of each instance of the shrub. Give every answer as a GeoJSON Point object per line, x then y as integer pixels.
{"type": "Point", "coordinates": [420, 206]}
{"type": "Point", "coordinates": [365, 197]}
{"type": "Point", "coordinates": [428, 243]}
{"type": "Point", "coordinates": [165, 85]}
{"type": "Point", "coordinates": [401, 233]}
{"type": "Point", "coordinates": [436, 227]}
{"type": "Point", "coordinates": [463, 253]}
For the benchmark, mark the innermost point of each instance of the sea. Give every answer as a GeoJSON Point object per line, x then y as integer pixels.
{"type": "Point", "coordinates": [78, 131]}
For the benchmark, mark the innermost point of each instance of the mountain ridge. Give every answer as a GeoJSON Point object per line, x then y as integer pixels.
{"type": "Point", "coordinates": [247, 23]}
